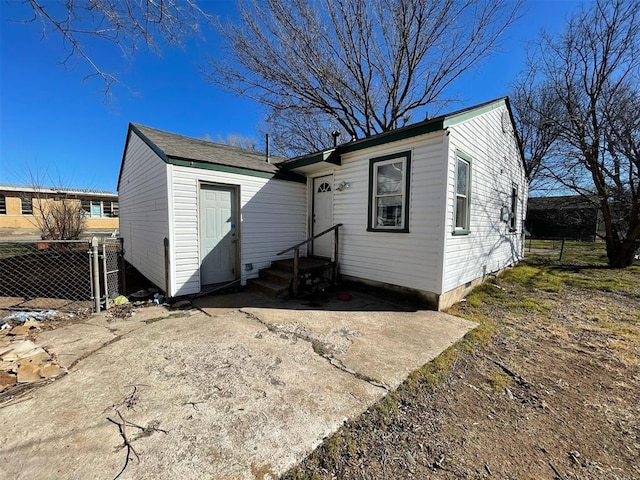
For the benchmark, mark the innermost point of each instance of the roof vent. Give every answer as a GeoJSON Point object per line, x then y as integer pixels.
{"type": "Point", "coordinates": [266, 139]}
{"type": "Point", "coordinates": [335, 134]}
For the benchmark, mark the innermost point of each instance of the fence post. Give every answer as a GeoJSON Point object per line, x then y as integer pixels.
{"type": "Point", "coordinates": [96, 274]}
{"type": "Point", "coordinates": [90, 258]}
{"type": "Point", "coordinates": [122, 278]}
{"type": "Point", "coordinates": [106, 274]}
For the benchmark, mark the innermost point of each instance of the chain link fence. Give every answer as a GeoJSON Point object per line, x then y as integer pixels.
{"type": "Point", "coordinates": [110, 254]}
{"type": "Point", "coordinates": [57, 274]}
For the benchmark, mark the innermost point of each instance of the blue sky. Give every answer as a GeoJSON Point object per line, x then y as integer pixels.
{"type": "Point", "coordinates": [59, 127]}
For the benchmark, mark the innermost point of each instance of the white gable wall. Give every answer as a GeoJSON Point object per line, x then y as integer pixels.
{"type": "Point", "coordinates": [496, 165]}
{"type": "Point", "coordinates": [273, 218]}
{"type": "Point", "coordinates": [144, 217]}
{"type": "Point", "coordinates": [411, 259]}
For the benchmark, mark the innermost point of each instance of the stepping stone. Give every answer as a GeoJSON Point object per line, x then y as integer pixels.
{"type": "Point", "coordinates": [28, 373]}
{"type": "Point", "coordinates": [8, 366]}
{"type": "Point", "coordinates": [7, 380]}
{"type": "Point", "coordinates": [16, 349]}
{"type": "Point", "coordinates": [36, 356]}
{"type": "Point", "coordinates": [51, 370]}
{"type": "Point", "coordinates": [20, 330]}
{"type": "Point", "coordinates": [33, 324]}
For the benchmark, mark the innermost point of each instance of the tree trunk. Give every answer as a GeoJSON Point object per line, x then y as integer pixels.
{"type": "Point", "coordinates": [620, 254]}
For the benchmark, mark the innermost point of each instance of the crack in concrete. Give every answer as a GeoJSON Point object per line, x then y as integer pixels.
{"type": "Point", "coordinates": [117, 338]}
{"type": "Point", "coordinates": [318, 348]}
{"type": "Point", "coordinates": [340, 366]}
{"type": "Point", "coordinates": [106, 344]}
{"type": "Point", "coordinates": [112, 331]}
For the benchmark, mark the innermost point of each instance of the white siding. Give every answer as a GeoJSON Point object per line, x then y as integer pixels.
{"type": "Point", "coordinates": [273, 218]}
{"type": "Point", "coordinates": [406, 259]}
{"type": "Point", "coordinates": [144, 218]}
{"type": "Point", "coordinates": [496, 165]}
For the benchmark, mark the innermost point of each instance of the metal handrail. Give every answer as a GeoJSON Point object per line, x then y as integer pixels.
{"type": "Point", "coordinates": [296, 256]}
{"type": "Point", "coordinates": [337, 225]}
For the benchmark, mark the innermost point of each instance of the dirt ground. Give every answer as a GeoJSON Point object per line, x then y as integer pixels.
{"type": "Point", "coordinates": [547, 388]}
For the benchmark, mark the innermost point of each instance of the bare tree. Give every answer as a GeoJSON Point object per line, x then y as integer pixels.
{"type": "Point", "coordinates": [359, 66]}
{"type": "Point", "coordinates": [56, 213]}
{"type": "Point", "coordinates": [592, 72]}
{"type": "Point", "coordinates": [58, 216]}
{"type": "Point", "coordinates": [532, 106]}
{"type": "Point", "coordinates": [128, 24]}
{"type": "Point", "coordinates": [296, 134]}
{"type": "Point", "coordinates": [235, 140]}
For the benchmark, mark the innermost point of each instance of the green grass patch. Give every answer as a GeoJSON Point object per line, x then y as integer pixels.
{"type": "Point", "coordinates": [511, 294]}
{"type": "Point", "coordinates": [481, 335]}
{"type": "Point", "coordinates": [499, 381]}
{"type": "Point", "coordinates": [387, 407]}
{"type": "Point", "coordinates": [485, 293]}
{"type": "Point", "coordinates": [321, 348]}
{"type": "Point", "coordinates": [548, 251]}
{"type": "Point", "coordinates": [586, 253]}
{"type": "Point", "coordinates": [623, 281]}
{"type": "Point", "coordinates": [583, 265]}
{"type": "Point", "coordinates": [523, 304]}
{"type": "Point", "coordinates": [534, 277]}
{"type": "Point", "coordinates": [621, 330]}
{"type": "Point", "coordinates": [434, 372]}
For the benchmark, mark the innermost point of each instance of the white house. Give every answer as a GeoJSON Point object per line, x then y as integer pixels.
{"type": "Point", "coordinates": [430, 209]}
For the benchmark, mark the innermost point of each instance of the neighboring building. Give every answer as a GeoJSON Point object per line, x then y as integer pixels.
{"type": "Point", "coordinates": [19, 207]}
{"type": "Point", "coordinates": [431, 208]}
{"type": "Point", "coordinates": [572, 217]}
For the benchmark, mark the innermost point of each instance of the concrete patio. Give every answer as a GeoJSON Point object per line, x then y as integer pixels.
{"type": "Point", "coordinates": [241, 387]}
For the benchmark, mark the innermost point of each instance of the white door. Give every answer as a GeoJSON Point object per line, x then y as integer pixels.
{"type": "Point", "coordinates": [322, 215]}
{"type": "Point", "coordinates": [217, 234]}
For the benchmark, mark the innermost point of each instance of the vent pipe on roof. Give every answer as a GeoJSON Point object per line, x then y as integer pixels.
{"type": "Point", "coordinates": [335, 134]}
{"type": "Point", "coordinates": [266, 135]}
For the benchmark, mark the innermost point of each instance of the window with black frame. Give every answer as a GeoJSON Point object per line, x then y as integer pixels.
{"type": "Point", "coordinates": [389, 193]}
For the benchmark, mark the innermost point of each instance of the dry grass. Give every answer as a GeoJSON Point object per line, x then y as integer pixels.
{"type": "Point", "coordinates": [559, 339]}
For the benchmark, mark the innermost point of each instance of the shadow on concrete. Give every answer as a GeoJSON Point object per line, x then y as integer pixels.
{"type": "Point", "coordinates": [335, 299]}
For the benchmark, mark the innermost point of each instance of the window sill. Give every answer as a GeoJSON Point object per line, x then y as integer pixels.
{"type": "Point", "coordinates": [461, 232]}
{"type": "Point", "coordinates": [388, 230]}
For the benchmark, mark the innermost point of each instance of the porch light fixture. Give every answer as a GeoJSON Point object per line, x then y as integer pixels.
{"type": "Point", "coordinates": [343, 186]}
{"type": "Point", "coordinates": [505, 215]}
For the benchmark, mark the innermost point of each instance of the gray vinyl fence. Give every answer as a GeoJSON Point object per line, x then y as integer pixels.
{"type": "Point", "coordinates": [66, 275]}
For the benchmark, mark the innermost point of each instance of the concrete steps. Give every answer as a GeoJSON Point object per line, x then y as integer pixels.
{"type": "Point", "coordinates": [276, 281]}
{"type": "Point", "coordinates": [270, 289]}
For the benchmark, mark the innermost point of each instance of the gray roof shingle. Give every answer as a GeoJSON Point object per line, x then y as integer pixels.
{"type": "Point", "coordinates": [186, 148]}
